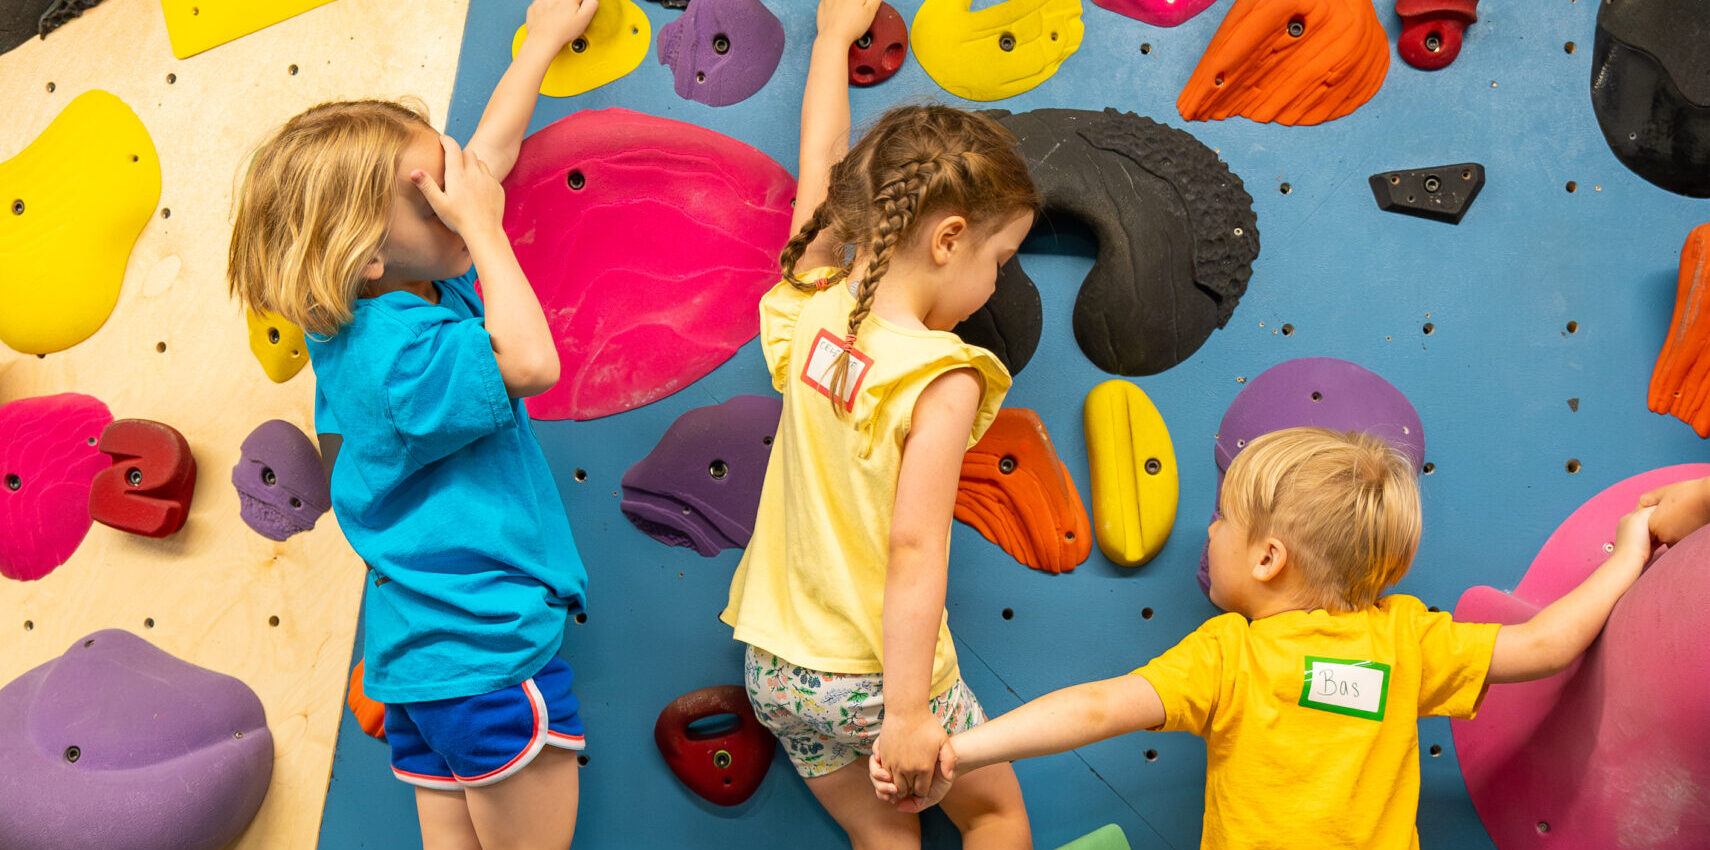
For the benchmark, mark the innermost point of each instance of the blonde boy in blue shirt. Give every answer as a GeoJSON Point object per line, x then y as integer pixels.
{"type": "Point", "coordinates": [1308, 692]}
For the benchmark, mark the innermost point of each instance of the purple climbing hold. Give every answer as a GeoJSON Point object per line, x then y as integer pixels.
{"type": "Point", "coordinates": [281, 484]}
{"type": "Point", "coordinates": [722, 51]}
{"type": "Point", "coordinates": [700, 487]}
{"type": "Point", "coordinates": [117, 744]}
{"type": "Point", "coordinates": [1320, 392]}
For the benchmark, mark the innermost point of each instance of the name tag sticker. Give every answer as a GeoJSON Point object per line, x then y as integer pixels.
{"type": "Point", "coordinates": [1354, 688]}
{"type": "Point", "coordinates": [817, 372]}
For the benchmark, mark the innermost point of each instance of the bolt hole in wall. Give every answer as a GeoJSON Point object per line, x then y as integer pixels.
{"type": "Point", "coordinates": [1429, 329]}
{"type": "Point", "coordinates": [1151, 755]}
{"type": "Point", "coordinates": [1573, 466]}
{"type": "Point", "coordinates": [581, 475]}
{"type": "Point", "coordinates": [273, 621]}
{"type": "Point", "coordinates": [1430, 467]}
{"type": "Point", "coordinates": [1436, 750]}
{"type": "Point", "coordinates": [1288, 330]}
{"type": "Point", "coordinates": [1146, 613]}
{"type": "Point", "coordinates": [581, 617]}
{"type": "Point", "coordinates": [160, 347]}
{"type": "Point", "coordinates": [1146, 48]}
{"type": "Point", "coordinates": [148, 622]}
{"type": "Point", "coordinates": [1009, 613]}
{"type": "Point", "coordinates": [1573, 327]}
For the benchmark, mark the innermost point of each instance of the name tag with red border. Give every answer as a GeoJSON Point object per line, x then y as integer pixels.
{"type": "Point", "coordinates": [816, 372]}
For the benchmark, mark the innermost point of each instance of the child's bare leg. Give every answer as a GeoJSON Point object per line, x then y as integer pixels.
{"type": "Point", "coordinates": [445, 821]}
{"type": "Point", "coordinates": [872, 824]}
{"type": "Point", "coordinates": [533, 810]}
{"type": "Point", "coordinates": [986, 806]}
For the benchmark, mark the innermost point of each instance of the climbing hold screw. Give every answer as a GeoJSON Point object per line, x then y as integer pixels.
{"type": "Point", "coordinates": [1153, 467]}
{"type": "Point", "coordinates": [721, 44]}
{"type": "Point", "coordinates": [1296, 28]}
{"type": "Point", "coordinates": [1006, 42]}
{"type": "Point", "coordinates": [577, 181]}
{"type": "Point", "coordinates": [718, 469]}
{"type": "Point", "coordinates": [721, 759]}
{"type": "Point", "coordinates": [18, 207]}
{"type": "Point", "coordinates": [267, 477]}
{"type": "Point", "coordinates": [1006, 465]}
{"type": "Point", "coordinates": [133, 476]}
{"type": "Point", "coordinates": [865, 41]}
{"type": "Point", "coordinates": [579, 45]}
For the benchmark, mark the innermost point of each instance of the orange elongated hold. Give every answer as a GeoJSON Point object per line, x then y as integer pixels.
{"type": "Point", "coordinates": [1680, 382]}
{"type": "Point", "coordinates": [370, 715]}
{"type": "Point", "coordinates": [1289, 62]}
{"type": "Point", "coordinates": [1018, 494]}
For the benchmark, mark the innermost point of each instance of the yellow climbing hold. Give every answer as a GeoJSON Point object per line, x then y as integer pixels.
{"type": "Point", "coordinates": [278, 344]}
{"type": "Point", "coordinates": [1134, 482]}
{"type": "Point", "coordinates": [71, 206]}
{"type": "Point", "coordinates": [197, 25]}
{"type": "Point", "coordinates": [615, 43]}
{"type": "Point", "coordinates": [999, 51]}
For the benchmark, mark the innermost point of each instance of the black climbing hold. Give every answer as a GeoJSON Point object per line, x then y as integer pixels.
{"type": "Point", "coordinates": [1441, 193]}
{"type": "Point", "coordinates": [1650, 89]}
{"type": "Point", "coordinates": [673, 4]}
{"type": "Point", "coordinates": [1175, 245]}
{"type": "Point", "coordinates": [1010, 322]}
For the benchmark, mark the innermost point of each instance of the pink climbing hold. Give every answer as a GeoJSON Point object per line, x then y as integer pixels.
{"type": "Point", "coordinates": [1611, 751]}
{"type": "Point", "coordinates": [1158, 13]}
{"type": "Point", "coordinates": [649, 242]}
{"type": "Point", "coordinates": [48, 461]}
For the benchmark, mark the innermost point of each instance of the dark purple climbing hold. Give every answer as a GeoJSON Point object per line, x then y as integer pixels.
{"type": "Point", "coordinates": [1320, 392]}
{"type": "Point", "coordinates": [700, 487]}
{"type": "Point", "coordinates": [721, 51]}
{"type": "Point", "coordinates": [1175, 245]}
{"type": "Point", "coordinates": [1650, 88]}
{"type": "Point", "coordinates": [1010, 322]}
{"type": "Point", "coordinates": [282, 487]}
{"type": "Point", "coordinates": [119, 745]}
{"type": "Point", "coordinates": [1442, 193]}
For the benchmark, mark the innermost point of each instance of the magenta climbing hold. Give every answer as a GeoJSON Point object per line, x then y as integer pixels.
{"type": "Point", "coordinates": [282, 487]}
{"type": "Point", "coordinates": [1158, 13]}
{"type": "Point", "coordinates": [1431, 30]}
{"type": "Point", "coordinates": [649, 242]}
{"type": "Point", "coordinates": [117, 744]}
{"type": "Point", "coordinates": [700, 487]}
{"type": "Point", "coordinates": [721, 51]}
{"type": "Point", "coordinates": [1611, 751]}
{"type": "Point", "coordinates": [48, 461]}
{"type": "Point", "coordinates": [1320, 392]}
{"type": "Point", "coordinates": [879, 53]}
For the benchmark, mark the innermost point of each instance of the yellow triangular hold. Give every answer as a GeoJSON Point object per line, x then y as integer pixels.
{"type": "Point", "coordinates": [72, 204]}
{"type": "Point", "coordinates": [197, 25]}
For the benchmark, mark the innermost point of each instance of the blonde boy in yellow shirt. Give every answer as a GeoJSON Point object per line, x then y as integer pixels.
{"type": "Point", "coordinates": [1308, 691]}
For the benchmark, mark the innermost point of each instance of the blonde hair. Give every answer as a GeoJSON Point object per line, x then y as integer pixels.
{"type": "Point", "coordinates": [916, 160]}
{"type": "Point", "coordinates": [1345, 504]}
{"type": "Point", "coordinates": [314, 207]}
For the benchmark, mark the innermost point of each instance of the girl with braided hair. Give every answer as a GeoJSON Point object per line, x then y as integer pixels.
{"type": "Point", "coordinates": [840, 594]}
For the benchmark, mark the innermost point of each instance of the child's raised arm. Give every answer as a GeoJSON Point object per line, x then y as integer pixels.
{"type": "Point", "coordinates": [1054, 723]}
{"type": "Point", "coordinates": [825, 113]}
{"type": "Point", "coordinates": [1555, 636]}
{"type": "Point", "coordinates": [551, 25]}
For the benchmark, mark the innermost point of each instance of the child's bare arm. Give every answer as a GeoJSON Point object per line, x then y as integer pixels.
{"type": "Point", "coordinates": [825, 113]}
{"type": "Point", "coordinates": [1555, 636]}
{"type": "Point", "coordinates": [472, 203]}
{"type": "Point", "coordinates": [551, 25]}
{"type": "Point", "coordinates": [1682, 508]}
{"type": "Point", "coordinates": [1059, 721]}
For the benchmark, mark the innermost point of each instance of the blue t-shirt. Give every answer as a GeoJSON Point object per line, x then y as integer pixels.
{"type": "Point", "coordinates": [441, 487]}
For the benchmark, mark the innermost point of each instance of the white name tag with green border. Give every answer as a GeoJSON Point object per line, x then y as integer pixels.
{"type": "Point", "coordinates": [1341, 686]}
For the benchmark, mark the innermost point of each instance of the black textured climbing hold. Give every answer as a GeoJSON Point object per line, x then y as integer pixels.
{"type": "Point", "coordinates": [673, 4]}
{"type": "Point", "coordinates": [1441, 193]}
{"type": "Point", "coordinates": [1650, 88]}
{"type": "Point", "coordinates": [1010, 322]}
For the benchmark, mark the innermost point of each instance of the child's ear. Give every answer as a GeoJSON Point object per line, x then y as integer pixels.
{"type": "Point", "coordinates": [945, 235]}
{"type": "Point", "coordinates": [1273, 557]}
{"type": "Point", "coordinates": [373, 269]}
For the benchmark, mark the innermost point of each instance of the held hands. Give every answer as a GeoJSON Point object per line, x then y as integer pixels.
{"type": "Point", "coordinates": [886, 788]}
{"type": "Point", "coordinates": [471, 198]}
{"type": "Point", "coordinates": [1634, 534]}
{"type": "Point", "coordinates": [1681, 508]}
{"type": "Point", "coordinates": [910, 753]}
{"type": "Point", "coordinates": [844, 21]}
{"type": "Point", "coordinates": [559, 22]}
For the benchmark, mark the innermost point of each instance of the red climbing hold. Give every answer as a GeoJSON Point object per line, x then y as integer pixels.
{"type": "Point", "coordinates": [1431, 30]}
{"type": "Point", "coordinates": [724, 765]}
{"type": "Point", "coordinates": [880, 51]}
{"type": "Point", "coordinates": [147, 490]}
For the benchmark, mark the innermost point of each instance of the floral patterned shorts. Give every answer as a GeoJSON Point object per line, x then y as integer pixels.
{"type": "Point", "coordinates": [827, 721]}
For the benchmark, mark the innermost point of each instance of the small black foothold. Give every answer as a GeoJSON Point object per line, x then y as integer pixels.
{"type": "Point", "coordinates": [1427, 193]}
{"type": "Point", "coordinates": [1573, 404]}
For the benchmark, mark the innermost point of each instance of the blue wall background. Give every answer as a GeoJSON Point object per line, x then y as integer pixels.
{"type": "Point", "coordinates": [1492, 383]}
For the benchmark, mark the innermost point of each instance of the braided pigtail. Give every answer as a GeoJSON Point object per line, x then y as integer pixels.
{"type": "Point", "coordinates": [898, 200]}
{"type": "Point", "coordinates": [798, 243]}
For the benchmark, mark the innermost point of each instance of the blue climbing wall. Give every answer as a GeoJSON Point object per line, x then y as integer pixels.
{"type": "Point", "coordinates": [1492, 379]}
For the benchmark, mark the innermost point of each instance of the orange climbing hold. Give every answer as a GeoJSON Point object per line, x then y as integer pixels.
{"type": "Point", "coordinates": [1680, 383]}
{"type": "Point", "coordinates": [1018, 494]}
{"type": "Point", "coordinates": [1289, 61]}
{"type": "Point", "coordinates": [370, 715]}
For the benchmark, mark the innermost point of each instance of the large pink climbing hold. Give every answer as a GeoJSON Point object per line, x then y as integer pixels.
{"type": "Point", "coordinates": [1610, 752]}
{"type": "Point", "coordinates": [48, 461]}
{"type": "Point", "coordinates": [649, 242]}
{"type": "Point", "coordinates": [1158, 13]}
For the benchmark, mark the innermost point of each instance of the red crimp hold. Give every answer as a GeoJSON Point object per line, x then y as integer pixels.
{"type": "Point", "coordinates": [880, 51]}
{"type": "Point", "coordinates": [147, 490]}
{"type": "Point", "coordinates": [722, 762]}
{"type": "Point", "coordinates": [1431, 30]}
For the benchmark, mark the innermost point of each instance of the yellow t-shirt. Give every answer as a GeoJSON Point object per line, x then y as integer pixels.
{"type": "Point", "coordinates": [1310, 718]}
{"type": "Point", "coordinates": [810, 587]}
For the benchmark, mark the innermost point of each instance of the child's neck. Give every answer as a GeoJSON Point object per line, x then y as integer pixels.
{"type": "Point", "coordinates": [899, 300]}
{"type": "Point", "coordinates": [423, 289]}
